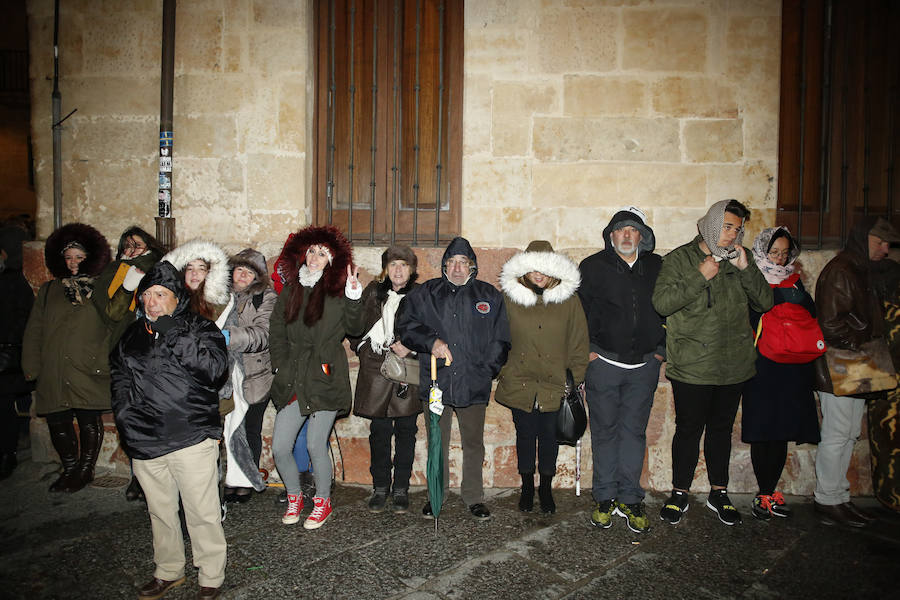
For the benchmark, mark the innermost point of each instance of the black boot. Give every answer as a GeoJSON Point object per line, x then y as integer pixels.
{"type": "Point", "coordinates": [526, 499]}
{"type": "Point", "coordinates": [134, 491]}
{"type": "Point", "coordinates": [545, 493]}
{"type": "Point", "coordinates": [8, 463]}
{"type": "Point", "coordinates": [91, 434]}
{"type": "Point", "coordinates": [62, 434]}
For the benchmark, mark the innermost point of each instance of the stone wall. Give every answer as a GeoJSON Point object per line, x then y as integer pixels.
{"type": "Point", "coordinates": [574, 109]}
{"type": "Point", "coordinates": [241, 114]}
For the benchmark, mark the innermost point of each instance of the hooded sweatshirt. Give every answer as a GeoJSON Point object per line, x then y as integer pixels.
{"type": "Point", "coordinates": [623, 325]}
{"type": "Point", "coordinates": [471, 318]}
{"type": "Point", "coordinates": [165, 385]}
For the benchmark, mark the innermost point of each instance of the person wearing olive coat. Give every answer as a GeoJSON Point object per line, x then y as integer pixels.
{"type": "Point", "coordinates": [706, 289]}
{"type": "Point", "coordinates": [392, 407]}
{"type": "Point", "coordinates": [318, 307]}
{"type": "Point", "coordinates": [549, 335]}
{"type": "Point", "coordinates": [66, 349]}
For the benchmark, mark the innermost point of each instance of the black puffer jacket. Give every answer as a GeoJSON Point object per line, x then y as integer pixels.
{"type": "Point", "coordinates": [471, 318]}
{"type": "Point", "coordinates": [165, 386]}
{"type": "Point", "coordinates": [622, 323]}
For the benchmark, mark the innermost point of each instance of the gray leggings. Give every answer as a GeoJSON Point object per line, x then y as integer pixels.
{"type": "Point", "coordinates": [288, 422]}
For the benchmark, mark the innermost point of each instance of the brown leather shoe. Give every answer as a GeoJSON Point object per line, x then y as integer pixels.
{"type": "Point", "coordinates": [157, 588]}
{"type": "Point", "coordinates": [836, 514]}
{"type": "Point", "coordinates": [207, 593]}
{"type": "Point", "coordinates": [858, 512]}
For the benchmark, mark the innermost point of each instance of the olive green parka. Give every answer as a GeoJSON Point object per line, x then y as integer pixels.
{"type": "Point", "coordinates": [66, 346]}
{"type": "Point", "coordinates": [548, 331]}
{"type": "Point", "coordinates": [709, 340]}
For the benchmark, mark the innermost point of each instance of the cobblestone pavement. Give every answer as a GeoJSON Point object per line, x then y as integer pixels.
{"type": "Point", "coordinates": [94, 544]}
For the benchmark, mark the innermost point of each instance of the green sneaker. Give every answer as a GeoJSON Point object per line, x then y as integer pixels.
{"type": "Point", "coordinates": [603, 514]}
{"type": "Point", "coordinates": [634, 515]}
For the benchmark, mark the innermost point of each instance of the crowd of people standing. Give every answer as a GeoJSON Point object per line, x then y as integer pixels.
{"type": "Point", "coordinates": [187, 348]}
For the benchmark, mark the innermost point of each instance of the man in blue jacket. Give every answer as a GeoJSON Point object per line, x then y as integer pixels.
{"type": "Point", "coordinates": [462, 322]}
{"type": "Point", "coordinates": [166, 372]}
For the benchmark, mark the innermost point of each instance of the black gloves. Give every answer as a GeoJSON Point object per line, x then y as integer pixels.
{"type": "Point", "coordinates": [163, 324]}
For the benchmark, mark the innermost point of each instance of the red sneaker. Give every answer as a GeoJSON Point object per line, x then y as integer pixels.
{"type": "Point", "coordinates": [320, 513]}
{"type": "Point", "coordinates": [294, 506]}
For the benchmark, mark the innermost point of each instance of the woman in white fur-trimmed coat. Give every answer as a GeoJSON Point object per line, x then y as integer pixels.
{"type": "Point", "coordinates": [549, 335]}
{"type": "Point", "coordinates": [207, 276]}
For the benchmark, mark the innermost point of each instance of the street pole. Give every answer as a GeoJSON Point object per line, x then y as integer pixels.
{"type": "Point", "coordinates": [165, 222]}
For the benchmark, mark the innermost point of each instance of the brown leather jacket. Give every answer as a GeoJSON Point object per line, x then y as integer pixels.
{"type": "Point", "coordinates": [847, 303]}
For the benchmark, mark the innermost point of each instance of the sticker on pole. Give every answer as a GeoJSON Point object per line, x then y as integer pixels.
{"type": "Point", "coordinates": [165, 164]}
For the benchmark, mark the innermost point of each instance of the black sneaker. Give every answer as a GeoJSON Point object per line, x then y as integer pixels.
{"type": "Point", "coordinates": [427, 512]}
{"type": "Point", "coordinates": [675, 507]}
{"type": "Point", "coordinates": [400, 501]}
{"type": "Point", "coordinates": [779, 506]}
{"type": "Point", "coordinates": [378, 500]}
{"type": "Point", "coordinates": [282, 497]}
{"type": "Point", "coordinates": [761, 508]}
{"type": "Point", "coordinates": [479, 512]}
{"type": "Point", "coordinates": [720, 503]}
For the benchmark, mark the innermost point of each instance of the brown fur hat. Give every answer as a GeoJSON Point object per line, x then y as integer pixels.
{"type": "Point", "coordinates": [95, 246]}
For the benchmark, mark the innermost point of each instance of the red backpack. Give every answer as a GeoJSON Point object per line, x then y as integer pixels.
{"type": "Point", "coordinates": [788, 333]}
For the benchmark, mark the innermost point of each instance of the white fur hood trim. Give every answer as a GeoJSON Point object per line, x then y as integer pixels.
{"type": "Point", "coordinates": [552, 264]}
{"type": "Point", "coordinates": [219, 276]}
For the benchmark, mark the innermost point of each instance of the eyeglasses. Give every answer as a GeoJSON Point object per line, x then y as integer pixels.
{"type": "Point", "coordinates": [452, 262]}
{"type": "Point", "coordinates": [133, 246]}
{"type": "Point", "coordinates": [777, 254]}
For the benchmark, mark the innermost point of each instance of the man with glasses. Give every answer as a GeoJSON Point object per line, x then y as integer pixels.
{"type": "Point", "coordinates": [704, 290]}
{"type": "Point", "coordinates": [462, 322]}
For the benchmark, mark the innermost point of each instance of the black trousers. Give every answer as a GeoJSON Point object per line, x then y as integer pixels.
{"type": "Point", "coordinates": [698, 409]}
{"type": "Point", "coordinates": [536, 429]}
{"type": "Point", "coordinates": [253, 421]}
{"type": "Point", "coordinates": [403, 430]}
{"type": "Point", "coordinates": [768, 460]}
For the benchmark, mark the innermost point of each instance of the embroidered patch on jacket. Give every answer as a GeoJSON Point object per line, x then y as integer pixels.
{"type": "Point", "coordinates": [483, 307]}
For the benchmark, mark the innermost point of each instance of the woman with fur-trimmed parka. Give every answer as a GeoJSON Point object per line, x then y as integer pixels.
{"type": "Point", "coordinates": [391, 407]}
{"type": "Point", "coordinates": [66, 349]}
{"type": "Point", "coordinates": [207, 277]}
{"type": "Point", "coordinates": [254, 301]}
{"type": "Point", "coordinates": [549, 335]}
{"type": "Point", "coordinates": [318, 307]}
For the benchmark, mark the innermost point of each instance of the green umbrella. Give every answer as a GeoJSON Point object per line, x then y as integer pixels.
{"type": "Point", "coordinates": [434, 471]}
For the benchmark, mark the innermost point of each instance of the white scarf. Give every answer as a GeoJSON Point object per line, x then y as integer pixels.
{"type": "Point", "coordinates": [309, 278]}
{"type": "Point", "coordinates": [381, 336]}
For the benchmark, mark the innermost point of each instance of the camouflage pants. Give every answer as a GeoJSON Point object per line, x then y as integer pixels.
{"type": "Point", "coordinates": [884, 444]}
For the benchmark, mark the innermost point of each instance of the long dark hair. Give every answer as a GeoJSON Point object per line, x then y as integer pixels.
{"type": "Point", "coordinates": [153, 244]}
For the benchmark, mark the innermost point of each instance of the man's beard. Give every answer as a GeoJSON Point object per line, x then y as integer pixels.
{"type": "Point", "coordinates": [626, 248]}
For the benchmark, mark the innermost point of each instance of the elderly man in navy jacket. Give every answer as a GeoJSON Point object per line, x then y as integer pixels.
{"type": "Point", "coordinates": [462, 322]}
{"type": "Point", "coordinates": [166, 372]}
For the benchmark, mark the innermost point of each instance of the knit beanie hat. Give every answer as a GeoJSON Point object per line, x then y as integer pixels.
{"type": "Point", "coordinates": [710, 228]}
